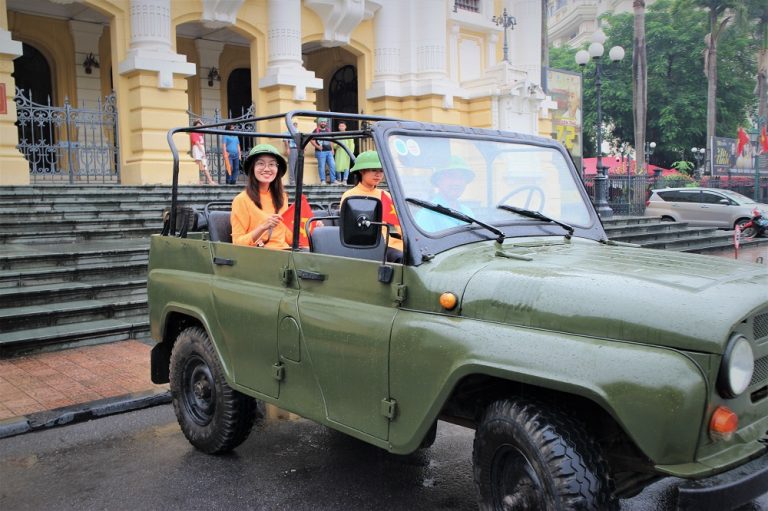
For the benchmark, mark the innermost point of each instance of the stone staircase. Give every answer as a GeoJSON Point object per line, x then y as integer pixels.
{"type": "Point", "coordinates": [651, 232]}
{"type": "Point", "coordinates": [73, 260]}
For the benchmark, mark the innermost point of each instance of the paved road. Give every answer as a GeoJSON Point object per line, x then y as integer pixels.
{"type": "Point", "coordinates": [140, 460]}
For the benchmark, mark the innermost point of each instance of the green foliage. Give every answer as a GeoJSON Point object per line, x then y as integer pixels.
{"type": "Point", "coordinates": [675, 180]}
{"type": "Point", "coordinates": [683, 166]}
{"type": "Point", "coordinates": [677, 87]}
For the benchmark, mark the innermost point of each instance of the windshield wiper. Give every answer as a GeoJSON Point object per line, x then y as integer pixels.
{"type": "Point", "coordinates": [458, 215]}
{"type": "Point", "coordinates": [539, 216]}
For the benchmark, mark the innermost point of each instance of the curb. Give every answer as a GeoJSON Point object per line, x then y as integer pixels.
{"type": "Point", "coordinates": [83, 412]}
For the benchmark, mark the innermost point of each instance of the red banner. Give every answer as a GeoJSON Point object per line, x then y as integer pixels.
{"type": "Point", "coordinates": [306, 214]}
{"type": "Point", "coordinates": [388, 213]}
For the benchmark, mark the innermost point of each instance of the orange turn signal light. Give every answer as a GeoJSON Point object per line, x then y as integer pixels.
{"type": "Point", "coordinates": [723, 423]}
{"type": "Point", "coordinates": [448, 301]}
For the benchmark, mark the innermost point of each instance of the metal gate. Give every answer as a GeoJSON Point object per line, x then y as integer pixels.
{"type": "Point", "coordinates": [213, 149]}
{"type": "Point", "coordinates": [64, 144]}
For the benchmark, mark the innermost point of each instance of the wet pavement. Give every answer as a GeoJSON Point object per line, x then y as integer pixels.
{"type": "Point", "coordinates": [140, 460]}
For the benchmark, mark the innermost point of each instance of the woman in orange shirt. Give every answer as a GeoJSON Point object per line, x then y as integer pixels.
{"type": "Point", "coordinates": [368, 174]}
{"type": "Point", "coordinates": [256, 211]}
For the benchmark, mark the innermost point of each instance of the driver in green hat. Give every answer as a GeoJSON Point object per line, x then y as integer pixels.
{"type": "Point", "coordinates": [450, 183]}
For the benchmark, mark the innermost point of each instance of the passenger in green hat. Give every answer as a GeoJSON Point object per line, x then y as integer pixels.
{"type": "Point", "coordinates": [256, 212]}
{"type": "Point", "coordinates": [450, 183]}
{"type": "Point", "coordinates": [368, 175]}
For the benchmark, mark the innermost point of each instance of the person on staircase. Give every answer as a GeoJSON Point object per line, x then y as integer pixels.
{"type": "Point", "coordinates": [198, 153]}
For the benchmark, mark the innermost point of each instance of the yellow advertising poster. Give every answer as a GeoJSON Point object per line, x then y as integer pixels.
{"type": "Point", "coordinates": [564, 87]}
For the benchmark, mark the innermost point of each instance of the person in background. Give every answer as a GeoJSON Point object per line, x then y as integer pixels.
{"type": "Point", "coordinates": [324, 153]}
{"type": "Point", "coordinates": [231, 146]}
{"type": "Point", "coordinates": [342, 158]}
{"type": "Point", "coordinates": [198, 153]}
{"type": "Point", "coordinates": [290, 151]}
{"type": "Point", "coordinates": [449, 183]}
{"type": "Point", "coordinates": [368, 174]}
{"type": "Point", "coordinates": [256, 211]}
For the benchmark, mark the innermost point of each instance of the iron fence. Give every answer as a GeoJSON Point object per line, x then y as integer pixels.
{"type": "Point", "coordinates": [213, 143]}
{"type": "Point", "coordinates": [627, 194]}
{"type": "Point", "coordinates": [64, 144]}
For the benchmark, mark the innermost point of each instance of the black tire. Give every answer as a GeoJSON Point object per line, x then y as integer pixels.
{"type": "Point", "coordinates": [666, 218]}
{"type": "Point", "coordinates": [740, 222]}
{"type": "Point", "coordinates": [214, 417]}
{"type": "Point", "coordinates": [749, 232]}
{"type": "Point", "coordinates": [430, 437]}
{"type": "Point", "coordinates": [529, 456]}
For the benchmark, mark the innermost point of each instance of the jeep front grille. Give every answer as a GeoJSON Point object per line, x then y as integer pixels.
{"type": "Point", "coordinates": [761, 371]}
{"type": "Point", "coordinates": [760, 325]}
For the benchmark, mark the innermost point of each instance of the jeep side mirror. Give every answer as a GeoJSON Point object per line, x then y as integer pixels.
{"type": "Point", "coordinates": [725, 202]}
{"type": "Point", "coordinates": [360, 221]}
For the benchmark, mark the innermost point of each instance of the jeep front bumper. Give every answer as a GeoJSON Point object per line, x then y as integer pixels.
{"type": "Point", "coordinates": [727, 490]}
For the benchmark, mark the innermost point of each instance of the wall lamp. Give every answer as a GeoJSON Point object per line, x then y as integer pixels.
{"type": "Point", "coordinates": [89, 63]}
{"type": "Point", "coordinates": [213, 74]}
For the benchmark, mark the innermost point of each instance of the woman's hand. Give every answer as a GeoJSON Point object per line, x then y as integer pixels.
{"type": "Point", "coordinates": [272, 221]}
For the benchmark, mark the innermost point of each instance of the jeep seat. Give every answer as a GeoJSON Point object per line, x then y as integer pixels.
{"type": "Point", "coordinates": [219, 226]}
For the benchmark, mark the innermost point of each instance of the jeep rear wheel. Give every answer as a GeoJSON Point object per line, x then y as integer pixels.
{"type": "Point", "coordinates": [214, 417]}
{"type": "Point", "coordinates": [528, 456]}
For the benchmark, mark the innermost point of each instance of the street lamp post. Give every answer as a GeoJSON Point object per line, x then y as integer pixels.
{"type": "Point", "coordinates": [648, 151]}
{"type": "Point", "coordinates": [760, 121]}
{"type": "Point", "coordinates": [506, 21]}
{"type": "Point", "coordinates": [698, 155]}
{"type": "Point", "coordinates": [595, 52]}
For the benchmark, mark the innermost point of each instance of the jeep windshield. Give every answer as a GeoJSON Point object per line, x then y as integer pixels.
{"type": "Point", "coordinates": [476, 177]}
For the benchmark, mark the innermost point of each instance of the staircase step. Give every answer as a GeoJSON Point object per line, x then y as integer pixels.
{"type": "Point", "coordinates": [75, 334]}
{"type": "Point", "coordinates": [63, 313]}
{"type": "Point", "coordinates": [77, 236]}
{"type": "Point", "coordinates": [42, 276]}
{"type": "Point", "coordinates": [52, 293]}
{"type": "Point", "coordinates": [81, 255]}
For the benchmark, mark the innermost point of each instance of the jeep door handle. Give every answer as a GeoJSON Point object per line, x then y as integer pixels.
{"type": "Point", "coordinates": [310, 275]}
{"type": "Point", "coordinates": [222, 261]}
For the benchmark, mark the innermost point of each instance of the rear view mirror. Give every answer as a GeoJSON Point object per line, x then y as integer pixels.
{"type": "Point", "coordinates": [360, 221]}
{"type": "Point", "coordinates": [725, 202]}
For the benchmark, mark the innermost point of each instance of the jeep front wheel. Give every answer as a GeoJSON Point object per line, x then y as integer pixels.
{"type": "Point", "coordinates": [529, 456]}
{"type": "Point", "coordinates": [214, 417]}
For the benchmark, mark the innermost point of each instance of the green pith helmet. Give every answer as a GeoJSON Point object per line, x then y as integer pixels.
{"type": "Point", "coordinates": [366, 160]}
{"type": "Point", "coordinates": [282, 166]}
{"type": "Point", "coordinates": [457, 164]}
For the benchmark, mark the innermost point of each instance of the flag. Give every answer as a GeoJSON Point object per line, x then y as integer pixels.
{"type": "Point", "coordinates": [388, 215]}
{"type": "Point", "coordinates": [306, 214]}
{"type": "Point", "coordinates": [743, 140]}
{"type": "Point", "coordinates": [764, 140]}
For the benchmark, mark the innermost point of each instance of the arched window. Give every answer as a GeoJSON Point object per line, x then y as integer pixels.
{"type": "Point", "coordinates": [33, 75]}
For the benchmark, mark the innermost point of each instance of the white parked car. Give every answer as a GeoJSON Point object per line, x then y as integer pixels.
{"type": "Point", "coordinates": [702, 206]}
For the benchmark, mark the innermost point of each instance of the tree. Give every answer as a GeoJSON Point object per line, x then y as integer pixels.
{"type": "Point", "coordinates": [676, 106]}
{"type": "Point", "coordinates": [718, 21]}
{"type": "Point", "coordinates": [757, 11]}
{"type": "Point", "coordinates": [639, 79]}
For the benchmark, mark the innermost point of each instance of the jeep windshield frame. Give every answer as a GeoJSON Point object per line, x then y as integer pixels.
{"type": "Point", "coordinates": [413, 153]}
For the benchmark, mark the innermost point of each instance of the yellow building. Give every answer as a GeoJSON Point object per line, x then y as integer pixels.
{"type": "Point", "coordinates": [438, 60]}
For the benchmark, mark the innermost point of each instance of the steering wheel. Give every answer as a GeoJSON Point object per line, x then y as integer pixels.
{"type": "Point", "coordinates": [531, 192]}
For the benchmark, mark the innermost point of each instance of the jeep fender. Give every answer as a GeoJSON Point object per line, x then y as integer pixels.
{"type": "Point", "coordinates": [656, 395]}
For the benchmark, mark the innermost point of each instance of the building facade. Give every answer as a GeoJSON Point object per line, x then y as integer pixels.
{"type": "Point", "coordinates": [431, 60]}
{"type": "Point", "coordinates": [572, 22]}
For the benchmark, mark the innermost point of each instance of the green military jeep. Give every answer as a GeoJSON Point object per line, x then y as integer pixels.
{"type": "Point", "coordinates": [587, 368]}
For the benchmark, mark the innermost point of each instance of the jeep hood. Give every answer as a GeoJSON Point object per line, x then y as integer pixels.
{"type": "Point", "coordinates": [678, 300]}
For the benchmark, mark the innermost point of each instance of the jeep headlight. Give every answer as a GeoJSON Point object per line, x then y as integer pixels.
{"type": "Point", "coordinates": [736, 368]}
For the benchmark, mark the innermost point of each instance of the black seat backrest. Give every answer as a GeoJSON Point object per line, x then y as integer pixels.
{"type": "Point", "coordinates": [327, 240]}
{"type": "Point", "coordinates": [219, 226]}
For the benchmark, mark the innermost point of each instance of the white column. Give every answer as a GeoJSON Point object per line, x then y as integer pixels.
{"type": "Point", "coordinates": [210, 96]}
{"type": "Point", "coordinates": [524, 46]}
{"type": "Point", "coordinates": [387, 31]}
{"type": "Point", "coordinates": [430, 38]}
{"type": "Point", "coordinates": [86, 38]}
{"type": "Point", "coordinates": [284, 65]}
{"type": "Point", "coordinates": [151, 47]}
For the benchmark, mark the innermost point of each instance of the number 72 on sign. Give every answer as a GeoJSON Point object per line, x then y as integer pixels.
{"type": "Point", "coordinates": [566, 135]}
